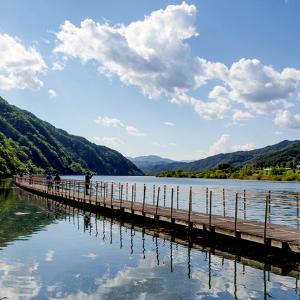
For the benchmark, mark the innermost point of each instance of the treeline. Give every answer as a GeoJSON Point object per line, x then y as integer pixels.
{"type": "Point", "coordinates": [226, 172]}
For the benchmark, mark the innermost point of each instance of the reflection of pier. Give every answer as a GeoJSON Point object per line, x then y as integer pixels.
{"type": "Point", "coordinates": [151, 241]}
{"type": "Point", "coordinates": [123, 200]}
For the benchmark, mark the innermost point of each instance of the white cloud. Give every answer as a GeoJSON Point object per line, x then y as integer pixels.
{"type": "Point", "coordinates": [49, 255]}
{"type": "Point", "coordinates": [19, 66]}
{"type": "Point", "coordinates": [52, 93]}
{"type": "Point", "coordinates": [56, 66]}
{"type": "Point", "coordinates": [153, 55]}
{"type": "Point", "coordinates": [91, 256]}
{"type": "Point", "coordinates": [133, 131]}
{"type": "Point", "coordinates": [245, 147]}
{"type": "Point", "coordinates": [109, 122]}
{"type": "Point", "coordinates": [241, 116]}
{"type": "Point", "coordinates": [285, 119]}
{"type": "Point", "coordinates": [113, 122]}
{"type": "Point", "coordinates": [222, 146]}
{"type": "Point", "coordinates": [277, 132]}
{"type": "Point", "coordinates": [210, 110]}
{"type": "Point", "coordinates": [111, 142]}
{"type": "Point", "coordinates": [171, 124]}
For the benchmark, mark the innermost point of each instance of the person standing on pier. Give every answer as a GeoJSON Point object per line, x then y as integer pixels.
{"type": "Point", "coordinates": [88, 177]}
{"type": "Point", "coordinates": [57, 182]}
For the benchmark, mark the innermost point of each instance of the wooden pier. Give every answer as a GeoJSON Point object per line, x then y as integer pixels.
{"type": "Point", "coordinates": [105, 196]}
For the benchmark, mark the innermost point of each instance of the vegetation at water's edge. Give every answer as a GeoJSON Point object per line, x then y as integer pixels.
{"type": "Point", "coordinates": [224, 171]}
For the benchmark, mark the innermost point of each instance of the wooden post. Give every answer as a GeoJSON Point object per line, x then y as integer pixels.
{"type": "Point", "coordinates": [165, 195]}
{"type": "Point", "coordinates": [135, 192]}
{"type": "Point", "coordinates": [297, 201]}
{"type": "Point", "coordinates": [126, 191]}
{"type": "Point", "coordinates": [236, 213]}
{"type": "Point", "coordinates": [158, 190]}
{"type": "Point", "coordinates": [266, 217]}
{"type": "Point", "coordinates": [177, 197]}
{"type": "Point", "coordinates": [190, 206]}
{"type": "Point", "coordinates": [111, 194]}
{"type": "Point", "coordinates": [153, 199]}
{"type": "Point", "coordinates": [78, 186]}
{"type": "Point", "coordinates": [206, 200]}
{"type": "Point", "coordinates": [121, 194]}
{"type": "Point", "coordinates": [132, 188]}
{"type": "Point", "coordinates": [269, 207]}
{"type": "Point", "coordinates": [245, 205]}
{"type": "Point", "coordinates": [144, 199]}
{"type": "Point", "coordinates": [104, 190]}
{"type": "Point", "coordinates": [90, 190]}
{"type": "Point", "coordinates": [172, 199]}
{"type": "Point", "coordinates": [210, 208]}
{"type": "Point", "coordinates": [96, 192]}
{"type": "Point", "coordinates": [224, 204]}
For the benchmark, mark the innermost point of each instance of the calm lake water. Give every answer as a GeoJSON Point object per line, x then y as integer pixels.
{"type": "Point", "coordinates": [51, 252]}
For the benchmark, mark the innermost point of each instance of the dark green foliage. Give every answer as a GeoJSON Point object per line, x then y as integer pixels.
{"type": "Point", "coordinates": [39, 146]}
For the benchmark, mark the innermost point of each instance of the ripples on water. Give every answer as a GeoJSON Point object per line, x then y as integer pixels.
{"type": "Point", "coordinates": [54, 252]}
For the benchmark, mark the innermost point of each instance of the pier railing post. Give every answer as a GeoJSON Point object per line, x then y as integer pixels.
{"type": "Point", "coordinates": [210, 208]}
{"type": "Point", "coordinates": [236, 213]}
{"type": "Point", "coordinates": [153, 199]}
{"type": "Point", "coordinates": [144, 199]}
{"type": "Point", "coordinates": [96, 192]}
{"type": "Point", "coordinates": [165, 191]}
{"type": "Point", "coordinates": [245, 205]}
{"type": "Point", "coordinates": [156, 209]}
{"type": "Point", "coordinates": [297, 201]}
{"type": "Point", "coordinates": [132, 188]}
{"type": "Point", "coordinates": [111, 194]}
{"type": "Point", "coordinates": [121, 196]}
{"type": "Point", "coordinates": [266, 217]}
{"type": "Point", "coordinates": [177, 197]}
{"type": "Point", "coordinates": [172, 200]}
{"type": "Point", "coordinates": [206, 200]}
{"type": "Point", "coordinates": [224, 204]}
{"type": "Point", "coordinates": [190, 205]}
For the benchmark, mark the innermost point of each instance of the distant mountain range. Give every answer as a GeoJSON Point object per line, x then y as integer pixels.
{"type": "Point", "coordinates": [145, 162]}
{"type": "Point", "coordinates": [28, 143]}
{"type": "Point", "coordinates": [281, 153]}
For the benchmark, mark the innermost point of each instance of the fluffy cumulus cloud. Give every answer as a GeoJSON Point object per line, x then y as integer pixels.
{"type": "Point", "coordinates": [241, 116]}
{"type": "Point", "coordinates": [113, 122]}
{"type": "Point", "coordinates": [154, 55]}
{"type": "Point", "coordinates": [285, 119]}
{"type": "Point", "coordinates": [151, 54]}
{"type": "Point", "coordinates": [19, 66]}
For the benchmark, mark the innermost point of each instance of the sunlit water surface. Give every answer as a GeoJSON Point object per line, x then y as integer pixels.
{"type": "Point", "coordinates": [50, 252]}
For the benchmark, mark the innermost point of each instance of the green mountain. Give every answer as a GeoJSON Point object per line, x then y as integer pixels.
{"type": "Point", "coordinates": [145, 162]}
{"type": "Point", "coordinates": [283, 153]}
{"type": "Point", "coordinates": [40, 147]}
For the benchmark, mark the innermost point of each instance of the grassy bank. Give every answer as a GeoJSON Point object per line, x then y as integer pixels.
{"type": "Point", "coordinates": [274, 173]}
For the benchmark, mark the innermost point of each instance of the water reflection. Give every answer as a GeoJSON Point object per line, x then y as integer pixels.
{"type": "Point", "coordinates": [78, 255]}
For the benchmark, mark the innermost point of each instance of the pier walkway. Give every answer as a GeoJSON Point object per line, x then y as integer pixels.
{"type": "Point", "coordinates": [123, 199]}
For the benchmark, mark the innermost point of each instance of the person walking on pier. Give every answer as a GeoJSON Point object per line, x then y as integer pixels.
{"type": "Point", "coordinates": [88, 177]}
{"type": "Point", "coordinates": [49, 181]}
{"type": "Point", "coordinates": [57, 182]}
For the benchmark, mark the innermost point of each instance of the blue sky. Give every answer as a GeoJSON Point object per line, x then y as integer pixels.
{"type": "Point", "coordinates": [182, 80]}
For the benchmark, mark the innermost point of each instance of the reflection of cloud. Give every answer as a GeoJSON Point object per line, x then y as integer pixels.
{"type": "Point", "coordinates": [147, 280]}
{"type": "Point", "coordinates": [17, 281]}
{"type": "Point", "coordinates": [49, 255]}
{"type": "Point", "coordinates": [92, 256]}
